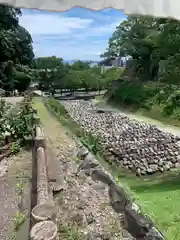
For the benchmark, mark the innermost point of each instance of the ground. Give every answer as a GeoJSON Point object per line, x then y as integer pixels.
{"type": "Point", "coordinates": [83, 209]}
{"type": "Point", "coordinates": [14, 180]}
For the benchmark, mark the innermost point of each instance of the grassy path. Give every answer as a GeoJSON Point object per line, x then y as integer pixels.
{"type": "Point", "coordinates": [83, 205]}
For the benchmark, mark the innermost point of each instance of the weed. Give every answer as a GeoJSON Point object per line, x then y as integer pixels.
{"type": "Point", "coordinates": [20, 186]}
{"type": "Point", "coordinates": [15, 147]}
{"type": "Point", "coordinates": [19, 219]}
{"type": "Point", "coordinates": [68, 231]}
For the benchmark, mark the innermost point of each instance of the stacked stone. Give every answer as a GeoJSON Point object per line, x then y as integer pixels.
{"type": "Point", "coordinates": [138, 146]}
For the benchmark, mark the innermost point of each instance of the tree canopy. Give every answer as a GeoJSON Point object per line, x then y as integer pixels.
{"type": "Point", "coordinates": [148, 41]}
{"type": "Point", "coordinates": [16, 50]}
{"type": "Point", "coordinates": [57, 75]}
{"type": "Point", "coordinates": [153, 45]}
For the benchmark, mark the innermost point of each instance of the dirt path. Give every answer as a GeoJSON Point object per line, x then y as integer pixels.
{"type": "Point", "coordinates": [15, 173]}
{"type": "Point", "coordinates": [164, 127]}
{"type": "Point", "coordinates": [83, 209]}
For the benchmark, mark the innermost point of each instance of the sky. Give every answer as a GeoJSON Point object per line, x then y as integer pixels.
{"type": "Point", "coordinates": [76, 34]}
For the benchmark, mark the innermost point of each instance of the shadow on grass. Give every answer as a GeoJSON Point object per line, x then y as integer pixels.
{"type": "Point", "coordinates": [168, 182]}
{"type": "Point", "coordinates": [157, 182]}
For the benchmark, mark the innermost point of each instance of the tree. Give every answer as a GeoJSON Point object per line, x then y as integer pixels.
{"type": "Point", "coordinates": [147, 40]}
{"type": "Point", "coordinates": [48, 62]}
{"type": "Point", "coordinates": [16, 47]}
{"type": "Point", "coordinates": [52, 79]}
{"type": "Point", "coordinates": [79, 65]}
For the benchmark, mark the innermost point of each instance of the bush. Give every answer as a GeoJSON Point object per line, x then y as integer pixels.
{"type": "Point", "coordinates": [113, 74]}
{"type": "Point", "coordinates": [131, 93]}
{"type": "Point", "coordinates": [57, 107]}
{"type": "Point", "coordinates": [18, 122]}
{"type": "Point", "coordinates": [22, 81]}
{"type": "Point", "coordinates": [162, 95]}
{"type": "Point", "coordinates": [172, 104]}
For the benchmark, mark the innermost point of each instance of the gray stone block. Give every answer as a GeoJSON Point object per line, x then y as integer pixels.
{"type": "Point", "coordinates": [118, 198]}
{"type": "Point", "coordinates": [82, 152]}
{"type": "Point", "coordinates": [98, 174]}
{"type": "Point", "coordinates": [154, 234]}
{"type": "Point", "coordinates": [136, 223]}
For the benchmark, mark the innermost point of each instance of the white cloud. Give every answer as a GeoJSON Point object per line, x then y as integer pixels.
{"type": "Point", "coordinates": [68, 37]}
{"type": "Point", "coordinates": [52, 24]}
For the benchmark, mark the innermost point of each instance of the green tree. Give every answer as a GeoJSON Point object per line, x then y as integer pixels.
{"type": "Point", "coordinates": [16, 47]}
{"type": "Point", "coordinates": [80, 65]}
{"type": "Point", "coordinates": [48, 62]}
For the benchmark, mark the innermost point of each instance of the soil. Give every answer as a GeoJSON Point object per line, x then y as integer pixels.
{"type": "Point", "coordinates": [15, 174]}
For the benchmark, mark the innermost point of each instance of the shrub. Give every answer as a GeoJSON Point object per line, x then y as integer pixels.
{"type": "Point", "coordinates": [17, 122]}
{"type": "Point", "coordinates": [130, 93]}
{"type": "Point", "coordinates": [57, 107]}
{"type": "Point", "coordinates": [162, 95]}
{"type": "Point", "coordinates": [172, 104]}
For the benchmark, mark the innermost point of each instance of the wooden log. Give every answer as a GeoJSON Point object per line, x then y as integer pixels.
{"type": "Point", "coordinates": [42, 181]}
{"type": "Point", "coordinates": [45, 230]}
{"type": "Point", "coordinates": [39, 131]}
{"type": "Point", "coordinates": [43, 212]}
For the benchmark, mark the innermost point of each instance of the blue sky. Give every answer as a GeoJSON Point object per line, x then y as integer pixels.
{"type": "Point", "coordinates": [75, 34]}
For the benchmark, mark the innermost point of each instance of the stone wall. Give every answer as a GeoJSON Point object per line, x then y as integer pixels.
{"type": "Point", "coordinates": [134, 221]}
{"type": "Point", "coordinates": [137, 146]}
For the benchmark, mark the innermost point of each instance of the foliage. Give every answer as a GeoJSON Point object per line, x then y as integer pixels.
{"type": "Point", "coordinates": [68, 77]}
{"type": "Point", "coordinates": [79, 65]}
{"type": "Point", "coordinates": [17, 122]}
{"type": "Point", "coordinates": [153, 47]}
{"type": "Point", "coordinates": [47, 63]}
{"type": "Point", "coordinates": [15, 147]}
{"type": "Point", "coordinates": [20, 123]}
{"type": "Point", "coordinates": [172, 105]}
{"type": "Point", "coordinates": [58, 108]}
{"type": "Point", "coordinates": [149, 41]}
{"type": "Point", "coordinates": [16, 49]}
{"type": "Point", "coordinates": [132, 93]}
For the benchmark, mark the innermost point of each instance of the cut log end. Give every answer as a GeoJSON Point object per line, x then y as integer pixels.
{"type": "Point", "coordinates": [40, 142]}
{"type": "Point", "coordinates": [44, 230]}
{"type": "Point", "coordinates": [42, 212]}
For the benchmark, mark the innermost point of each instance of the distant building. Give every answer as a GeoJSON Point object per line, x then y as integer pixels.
{"type": "Point", "coordinates": [93, 64]}
{"type": "Point", "coordinates": [110, 63]}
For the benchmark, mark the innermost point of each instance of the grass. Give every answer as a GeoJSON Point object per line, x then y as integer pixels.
{"type": "Point", "coordinates": [155, 113]}
{"type": "Point", "coordinates": [68, 231]}
{"type": "Point", "coordinates": [19, 219]}
{"type": "Point", "coordinates": [158, 195]}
